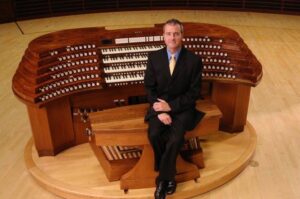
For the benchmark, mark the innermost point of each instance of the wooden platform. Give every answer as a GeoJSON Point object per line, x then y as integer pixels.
{"type": "Point", "coordinates": [76, 173]}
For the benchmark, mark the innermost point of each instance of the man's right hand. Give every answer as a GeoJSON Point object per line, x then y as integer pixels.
{"type": "Point", "coordinates": [165, 118]}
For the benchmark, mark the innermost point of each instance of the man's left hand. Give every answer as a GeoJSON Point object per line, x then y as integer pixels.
{"type": "Point", "coordinates": [161, 105]}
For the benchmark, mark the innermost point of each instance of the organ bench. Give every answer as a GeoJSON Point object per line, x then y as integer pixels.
{"type": "Point", "coordinates": [125, 126]}
{"type": "Point", "coordinates": [67, 75]}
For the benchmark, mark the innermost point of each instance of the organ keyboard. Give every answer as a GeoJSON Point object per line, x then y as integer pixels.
{"type": "Point", "coordinates": [96, 69]}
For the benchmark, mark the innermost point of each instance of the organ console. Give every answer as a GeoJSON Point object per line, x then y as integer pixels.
{"type": "Point", "coordinates": [65, 75]}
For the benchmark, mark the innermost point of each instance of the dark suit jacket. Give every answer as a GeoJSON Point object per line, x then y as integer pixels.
{"type": "Point", "coordinates": [181, 90]}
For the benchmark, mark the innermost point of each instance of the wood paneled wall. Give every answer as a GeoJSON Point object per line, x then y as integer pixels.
{"type": "Point", "coordinates": [28, 9]}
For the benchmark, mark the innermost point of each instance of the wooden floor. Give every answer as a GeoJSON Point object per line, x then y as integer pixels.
{"type": "Point", "coordinates": [274, 172]}
{"type": "Point", "coordinates": [225, 156]}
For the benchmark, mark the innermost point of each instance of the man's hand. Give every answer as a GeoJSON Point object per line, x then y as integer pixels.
{"type": "Point", "coordinates": [165, 118]}
{"type": "Point", "coordinates": [161, 105]}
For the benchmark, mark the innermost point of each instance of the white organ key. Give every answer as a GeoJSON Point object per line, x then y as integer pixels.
{"type": "Point", "coordinates": [131, 49]}
{"type": "Point", "coordinates": [125, 59]}
{"type": "Point", "coordinates": [124, 78]}
{"type": "Point", "coordinates": [126, 68]}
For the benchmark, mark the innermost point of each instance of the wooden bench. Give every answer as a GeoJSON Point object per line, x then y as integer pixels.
{"type": "Point", "coordinates": [125, 126]}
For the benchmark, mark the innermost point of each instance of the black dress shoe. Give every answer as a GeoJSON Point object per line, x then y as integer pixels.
{"type": "Point", "coordinates": [171, 187]}
{"type": "Point", "coordinates": [160, 192]}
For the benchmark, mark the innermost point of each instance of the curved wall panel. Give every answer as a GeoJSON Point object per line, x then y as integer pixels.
{"type": "Point", "coordinates": [26, 9]}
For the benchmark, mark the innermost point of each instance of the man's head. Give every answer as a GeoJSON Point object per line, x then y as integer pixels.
{"type": "Point", "coordinates": [173, 34]}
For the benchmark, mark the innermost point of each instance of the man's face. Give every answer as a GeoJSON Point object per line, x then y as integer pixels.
{"type": "Point", "coordinates": [173, 37]}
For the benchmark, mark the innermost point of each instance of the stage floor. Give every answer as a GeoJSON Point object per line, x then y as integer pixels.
{"type": "Point", "coordinates": [76, 173]}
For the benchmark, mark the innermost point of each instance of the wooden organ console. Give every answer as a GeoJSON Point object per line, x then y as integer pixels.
{"type": "Point", "coordinates": [65, 75]}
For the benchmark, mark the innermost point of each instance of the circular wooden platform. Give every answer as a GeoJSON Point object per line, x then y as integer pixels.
{"type": "Point", "coordinates": [76, 173]}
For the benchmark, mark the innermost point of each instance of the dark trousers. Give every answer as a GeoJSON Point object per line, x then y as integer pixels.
{"type": "Point", "coordinates": [166, 141]}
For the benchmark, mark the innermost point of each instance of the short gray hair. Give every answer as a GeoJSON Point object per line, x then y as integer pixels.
{"type": "Point", "coordinates": [174, 22]}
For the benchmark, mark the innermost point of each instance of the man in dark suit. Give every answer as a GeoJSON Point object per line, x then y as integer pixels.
{"type": "Point", "coordinates": [172, 90]}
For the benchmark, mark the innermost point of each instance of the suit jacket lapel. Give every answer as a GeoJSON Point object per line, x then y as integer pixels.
{"type": "Point", "coordinates": [179, 63]}
{"type": "Point", "coordinates": [165, 64]}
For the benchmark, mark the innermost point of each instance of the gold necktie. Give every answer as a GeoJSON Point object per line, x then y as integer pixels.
{"type": "Point", "coordinates": [172, 64]}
